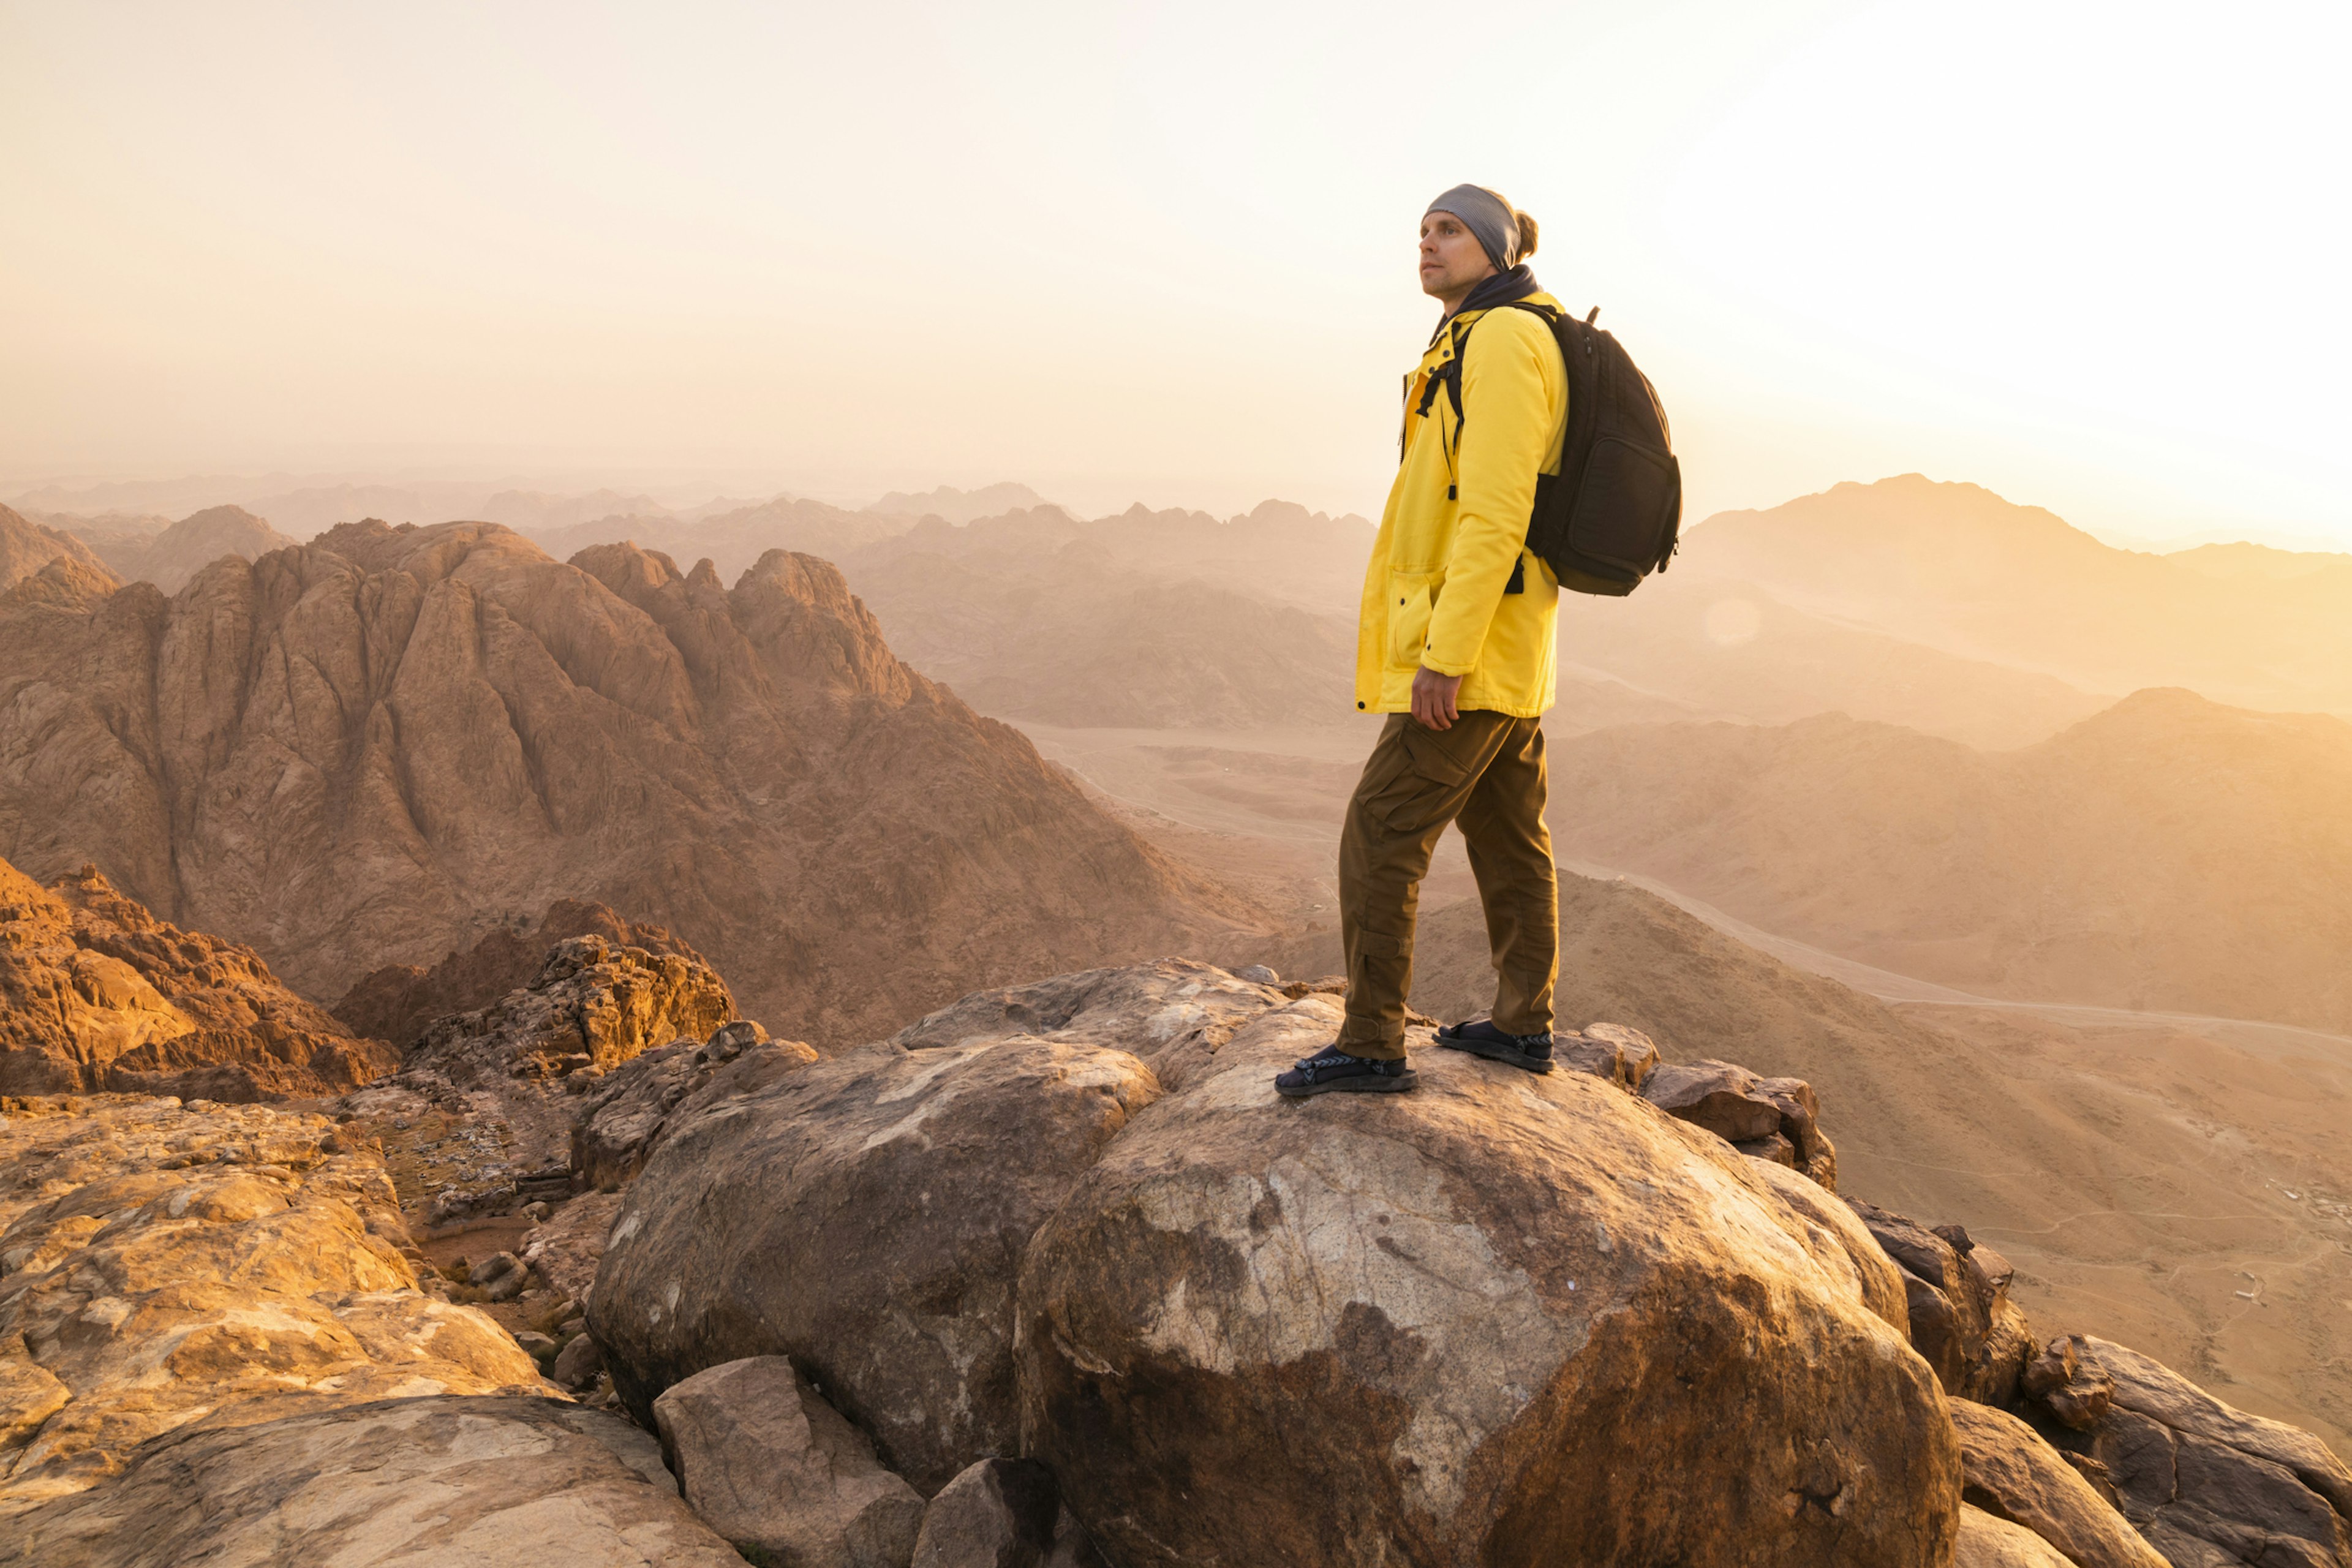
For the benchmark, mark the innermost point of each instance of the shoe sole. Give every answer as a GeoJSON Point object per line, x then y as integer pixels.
{"type": "Point", "coordinates": [1362, 1083]}
{"type": "Point", "coordinates": [1509, 1055]}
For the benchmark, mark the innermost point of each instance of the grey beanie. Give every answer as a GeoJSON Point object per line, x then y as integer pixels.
{"type": "Point", "coordinates": [1494, 220]}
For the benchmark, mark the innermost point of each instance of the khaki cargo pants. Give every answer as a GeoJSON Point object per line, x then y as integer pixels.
{"type": "Point", "coordinates": [1486, 775]}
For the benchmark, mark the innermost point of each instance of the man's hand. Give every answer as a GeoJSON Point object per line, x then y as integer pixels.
{"type": "Point", "coordinates": [1433, 699]}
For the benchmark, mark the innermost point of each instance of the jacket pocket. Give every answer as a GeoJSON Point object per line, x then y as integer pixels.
{"type": "Point", "coordinates": [1411, 597]}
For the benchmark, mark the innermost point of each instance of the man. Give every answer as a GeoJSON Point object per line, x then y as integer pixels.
{"type": "Point", "coordinates": [1454, 644]}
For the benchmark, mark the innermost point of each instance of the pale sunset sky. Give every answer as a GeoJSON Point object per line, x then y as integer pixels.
{"type": "Point", "coordinates": [2092, 256]}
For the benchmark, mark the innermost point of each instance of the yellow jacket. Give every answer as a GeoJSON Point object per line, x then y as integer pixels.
{"type": "Point", "coordinates": [1456, 522]}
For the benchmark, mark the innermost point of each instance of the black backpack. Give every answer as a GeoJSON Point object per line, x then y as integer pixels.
{"type": "Point", "coordinates": [1613, 513]}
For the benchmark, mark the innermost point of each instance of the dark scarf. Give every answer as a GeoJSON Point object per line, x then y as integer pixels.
{"type": "Point", "coordinates": [1502, 289]}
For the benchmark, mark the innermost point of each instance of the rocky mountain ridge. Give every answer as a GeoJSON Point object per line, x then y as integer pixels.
{"type": "Point", "coordinates": [378, 746]}
{"type": "Point", "coordinates": [97, 994]}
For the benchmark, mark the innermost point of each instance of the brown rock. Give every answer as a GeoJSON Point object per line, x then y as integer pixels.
{"type": "Point", "coordinates": [2205, 1483]}
{"type": "Point", "coordinates": [1625, 1057]}
{"type": "Point", "coordinates": [769, 1465]}
{"type": "Point", "coordinates": [1961, 1318]}
{"type": "Point", "coordinates": [578, 1362]}
{"type": "Point", "coordinates": [2010, 1473]}
{"type": "Point", "coordinates": [1503, 1319]}
{"type": "Point", "coordinates": [451, 1481]}
{"type": "Point", "coordinates": [435, 728]}
{"type": "Point", "coordinates": [566, 1247]}
{"type": "Point", "coordinates": [96, 994]}
{"type": "Point", "coordinates": [2075, 1395]}
{"type": "Point", "coordinates": [1987, 1541]}
{"type": "Point", "coordinates": [918, 1177]}
{"type": "Point", "coordinates": [161, 1263]}
{"type": "Point", "coordinates": [998, 1514]}
{"type": "Point", "coordinates": [1742, 1108]}
{"type": "Point", "coordinates": [621, 1121]}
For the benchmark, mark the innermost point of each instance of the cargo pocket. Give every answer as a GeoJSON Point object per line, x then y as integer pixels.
{"type": "Point", "coordinates": [1410, 598]}
{"type": "Point", "coordinates": [1436, 768]}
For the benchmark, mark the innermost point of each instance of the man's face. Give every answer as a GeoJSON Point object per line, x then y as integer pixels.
{"type": "Point", "coordinates": [1452, 259]}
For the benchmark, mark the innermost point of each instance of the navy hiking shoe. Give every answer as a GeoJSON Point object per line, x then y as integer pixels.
{"type": "Point", "coordinates": [1333, 1071]}
{"type": "Point", "coordinates": [1480, 1038]}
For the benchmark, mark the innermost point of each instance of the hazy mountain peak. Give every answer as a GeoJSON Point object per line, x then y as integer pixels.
{"type": "Point", "coordinates": [26, 547]}
{"type": "Point", "coordinates": [959, 506]}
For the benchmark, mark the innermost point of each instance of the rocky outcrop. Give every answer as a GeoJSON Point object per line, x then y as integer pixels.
{"type": "Point", "coordinates": [397, 1002]}
{"type": "Point", "coordinates": [1499, 1320]}
{"type": "Point", "coordinates": [998, 1514]}
{"type": "Point", "coordinates": [769, 1465]}
{"type": "Point", "coordinates": [591, 1007]}
{"type": "Point", "coordinates": [375, 747]}
{"type": "Point", "coordinates": [1774, 1119]}
{"type": "Point", "coordinates": [479, 1120]}
{"type": "Point", "coordinates": [621, 1120]}
{"type": "Point", "coordinates": [2208, 1485]}
{"type": "Point", "coordinates": [160, 1263]}
{"type": "Point", "coordinates": [96, 994]}
{"type": "Point", "coordinates": [1961, 1318]}
{"type": "Point", "coordinates": [876, 1208]}
{"type": "Point", "coordinates": [1326, 1321]}
{"type": "Point", "coordinates": [450, 1481]}
{"type": "Point", "coordinates": [2010, 1473]}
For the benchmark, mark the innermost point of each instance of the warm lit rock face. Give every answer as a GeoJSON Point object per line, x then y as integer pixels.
{"type": "Point", "coordinates": [397, 1002]}
{"type": "Point", "coordinates": [1501, 1320]}
{"type": "Point", "coordinates": [97, 994]}
{"type": "Point", "coordinates": [376, 747]}
{"type": "Point", "coordinates": [161, 1263]}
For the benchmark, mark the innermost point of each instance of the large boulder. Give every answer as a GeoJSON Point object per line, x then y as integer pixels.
{"type": "Point", "coordinates": [768, 1464]}
{"type": "Point", "coordinates": [1172, 1012]}
{"type": "Point", "coordinates": [2208, 1485]}
{"type": "Point", "coordinates": [998, 1514]}
{"type": "Point", "coordinates": [1502, 1321]}
{"type": "Point", "coordinates": [2010, 1473]}
{"type": "Point", "coordinates": [159, 1262]}
{"type": "Point", "coordinates": [865, 1216]}
{"type": "Point", "coordinates": [452, 1482]}
{"type": "Point", "coordinates": [1961, 1317]}
{"type": "Point", "coordinates": [621, 1121]}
